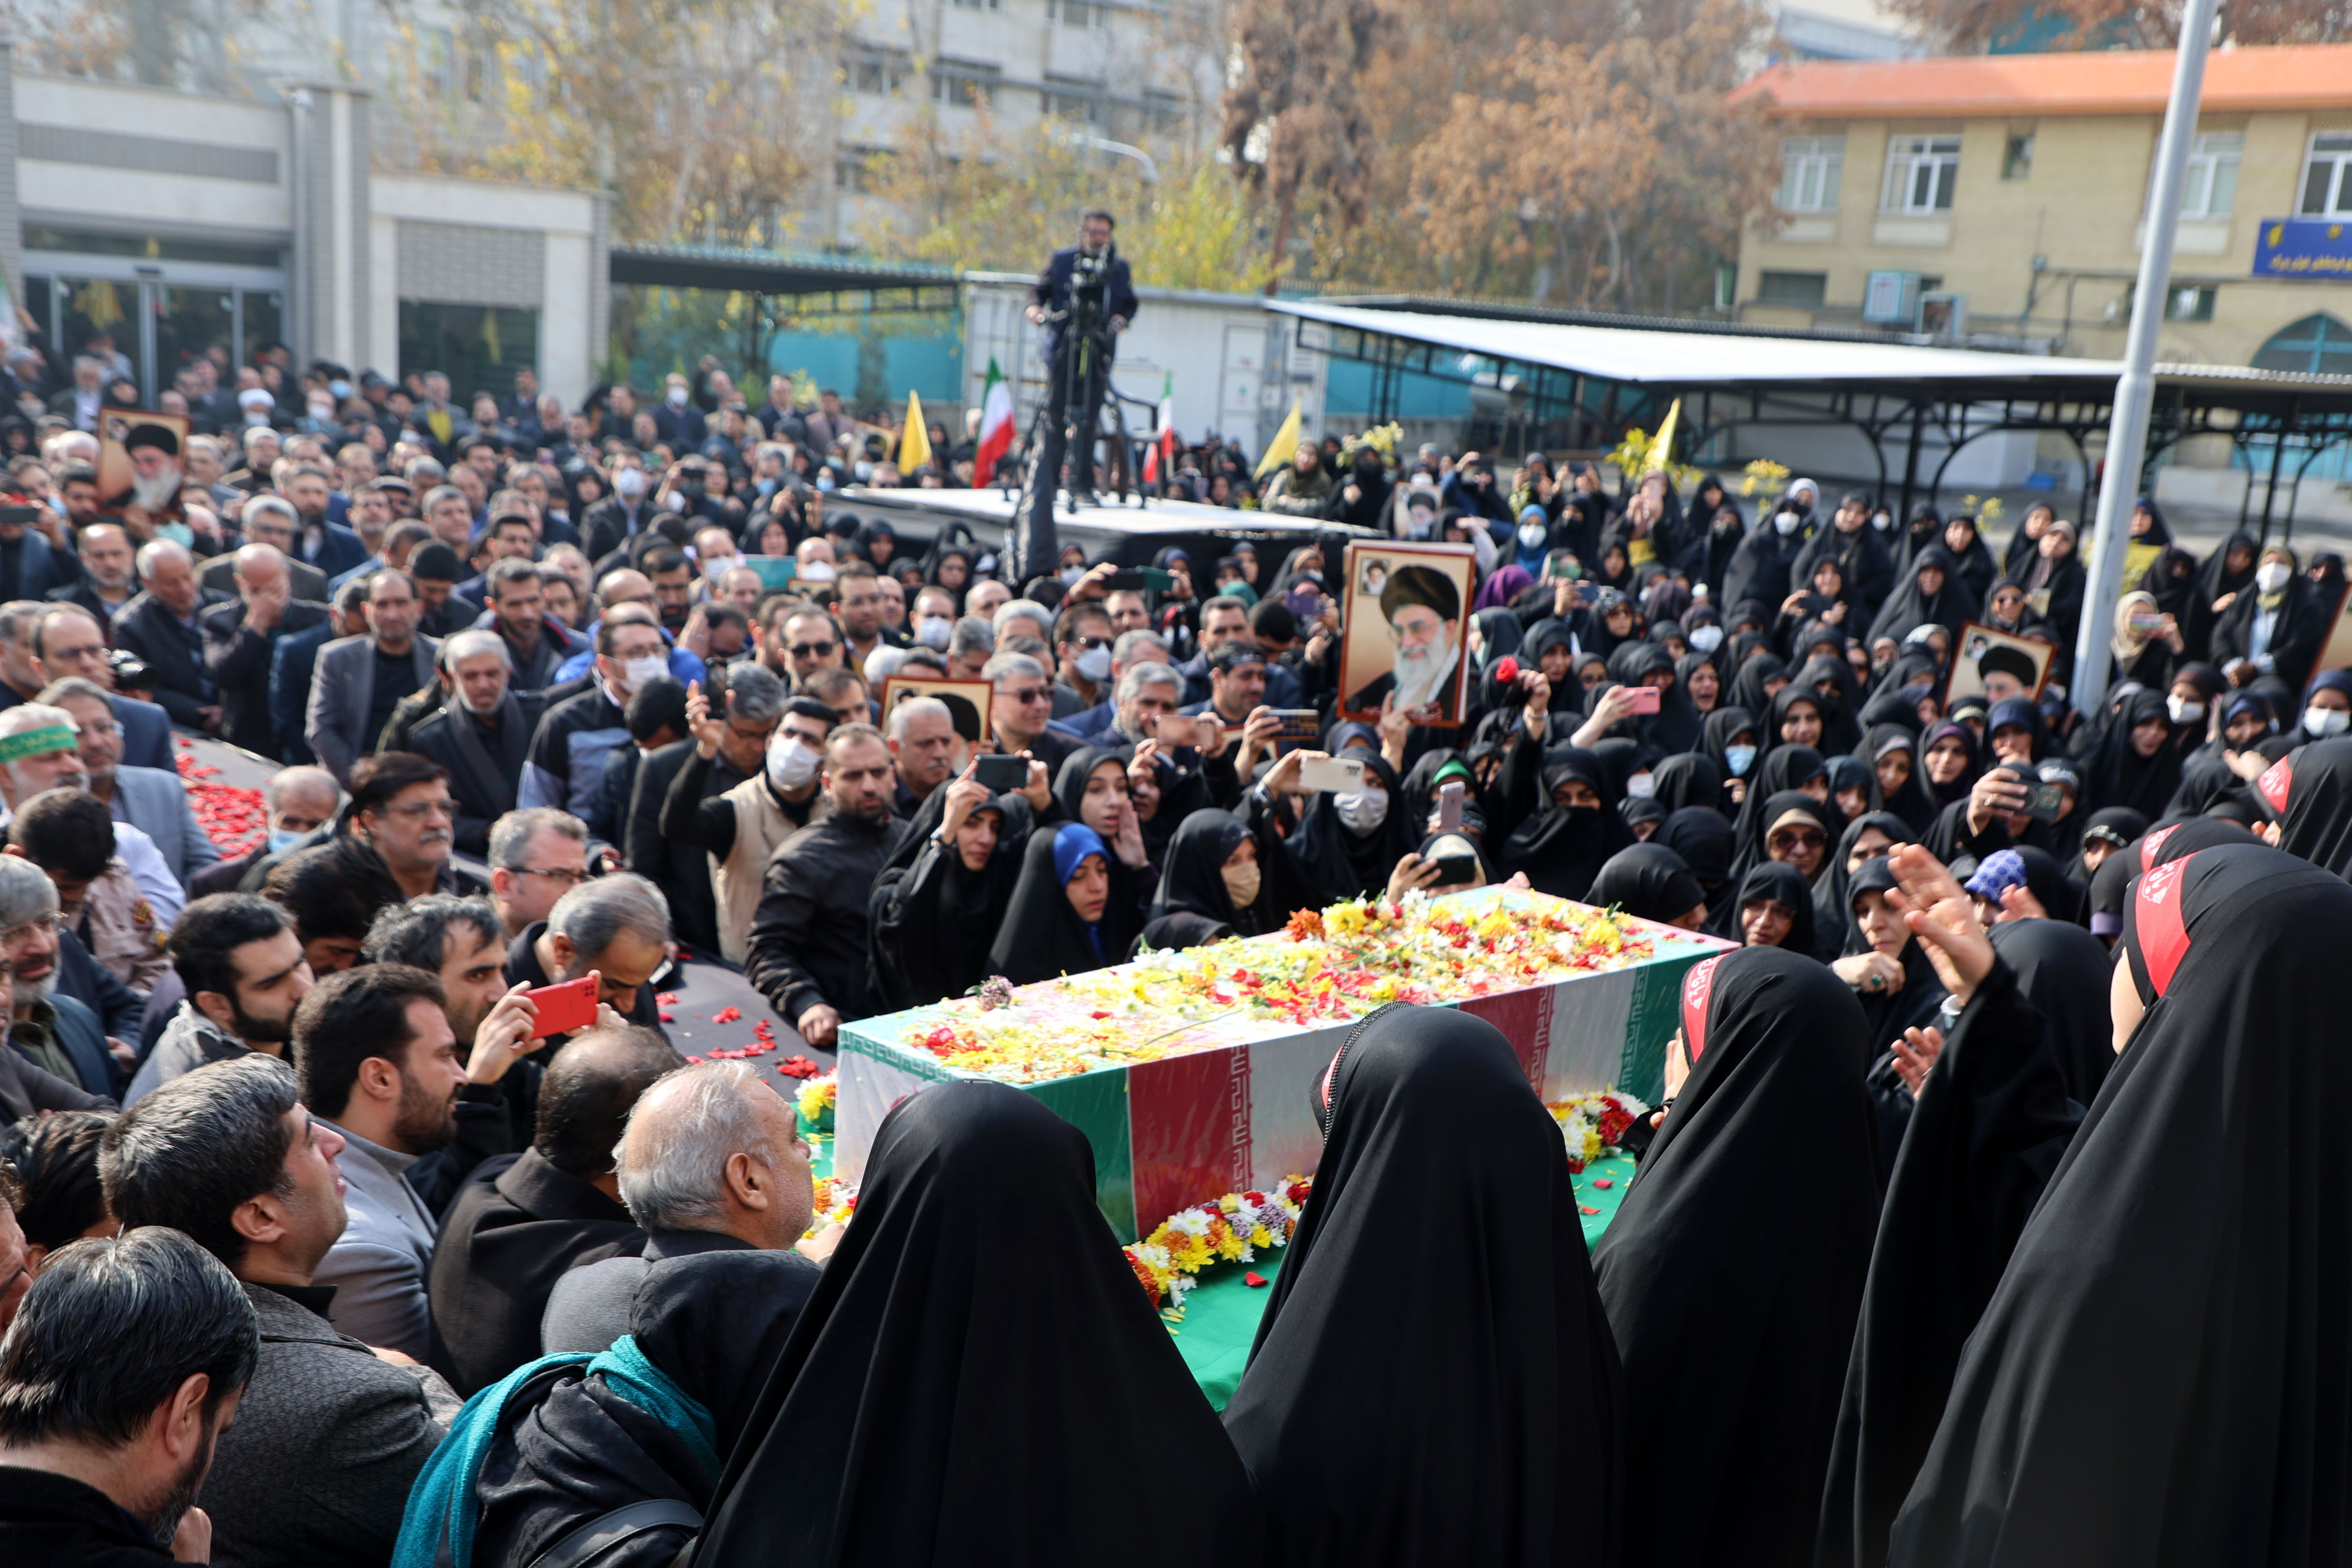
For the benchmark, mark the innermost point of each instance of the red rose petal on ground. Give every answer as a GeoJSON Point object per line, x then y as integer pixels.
{"type": "Point", "coordinates": [669, 1017]}
{"type": "Point", "coordinates": [1581, 1209]}
{"type": "Point", "coordinates": [1254, 1279]}
{"type": "Point", "coordinates": [1604, 1181]}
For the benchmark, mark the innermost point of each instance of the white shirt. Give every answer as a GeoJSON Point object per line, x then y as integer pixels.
{"type": "Point", "coordinates": [146, 865]}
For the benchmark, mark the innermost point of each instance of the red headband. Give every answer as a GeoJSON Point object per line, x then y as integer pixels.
{"type": "Point", "coordinates": [1698, 984]}
{"type": "Point", "coordinates": [2163, 929]}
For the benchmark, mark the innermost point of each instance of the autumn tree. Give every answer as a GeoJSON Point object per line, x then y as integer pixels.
{"type": "Point", "coordinates": [1584, 173]}
{"type": "Point", "coordinates": [1966, 26]}
{"type": "Point", "coordinates": [1296, 119]}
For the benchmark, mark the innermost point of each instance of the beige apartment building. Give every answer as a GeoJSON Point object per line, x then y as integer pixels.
{"type": "Point", "coordinates": [2001, 200]}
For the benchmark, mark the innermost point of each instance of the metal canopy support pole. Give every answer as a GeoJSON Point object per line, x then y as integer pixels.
{"type": "Point", "coordinates": [2136, 388]}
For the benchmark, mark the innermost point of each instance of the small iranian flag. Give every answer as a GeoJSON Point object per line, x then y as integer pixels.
{"type": "Point", "coordinates": [996, 425]}
{"type": "Point", "coordinates": [1163, 446]}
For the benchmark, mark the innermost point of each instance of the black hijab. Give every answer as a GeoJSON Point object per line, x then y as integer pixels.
{"type": "Point", "coordinates": [1703, 838]}
{"type": "Point", "coordinates": [929, 935]}
{"type": "Point", "coordinates": [1832, 904]}
{"type": "Point", "coordinates": [1747, 687]}
{"type": "Point", "coordinates": [1369, 1450]}
{"type": "Point", "coordinates": [1192, 876]}
{"type": "Point", "coordinates": [1338, 861]}
{"type": "Point", "coordinates": [1042, 937]}
{"type": "Point", "coordinates": [947, 1399]}
{"type": "Point", "coordinates": [1986, 1131]}
{"type": "Point", "coordinates": [1975, 563]}
{"type": "Point", "coordinates": [1911, 605]}
{"type": "Point", "coordinates": [1942, 795]}
{"type": "Point", "coordinates": [2117, 774]}
{"type": "Point", "coordinates": [1715, 738]}
{"type": "Point", "coordinates": [1647, 880]}
{"type": "Point", "coordinates": [1688, 778]}
{"type": "Point", "coordinates": [1174, 934]}
{"type": "Point", "coordinates": [2309, 793]}
{"type": "Point", "coordinates": [1560, 848]}
{"type": "Point", "coordinates": [1911, 803]}
{"type": "Point", "coordinates": [1776, 790]}
{"type": "Point", "coordinates": [1783, 884]}
{"type": "Point", "coordinates": [1734, 1311]}
{"type": "Point", "coordinates": [2063, 972]}
{"type": "Point", "coordinates": [2159, 1377]}
{"type": "Point", "coordinates": [1675, 727]}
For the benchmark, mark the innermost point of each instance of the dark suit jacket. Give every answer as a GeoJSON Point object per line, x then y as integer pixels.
{"type": "Point", "coordinates": [26, 1090]}
{"type": "Point", "coordinates": [219, 575]}
{"type": "Point", "coordinates": [342, 687]}
{"type": "Point", "coordinates": [517, 1225]}
{"type": "Point", "coordinates": [339, 551]}
{"type": "Point", "coordinates": [146, 732]}
{"type": "Point", "coordinates": [148, 629]}
{"type": "Point", "coordinates": [1051, 290]}
{"type": "Point", "coordinates": [604, 527]}
{"type": "Point", "coordinates": [683, 428]}
{"type": "Point", "coordinates": [682, 874]}
{"type": "Point", "coordinates": [292, 661]}
{"type": "Point", "coordinates": [238, 659]}
{"type": "Point", "coordinates": [83, 593]}
{"type": "Point", "coordinates": [42, 567]}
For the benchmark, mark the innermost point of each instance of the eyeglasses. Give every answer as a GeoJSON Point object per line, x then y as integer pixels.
{"type": "Point", "coordinates": [812, 649]}
{"type": "Point", "coordinates": [1032, 694]}
{"type": "Point", "coordinates": [419, 810]}
{"type": "Point", "coordinates": [553, 874]}
{"type": "Point", "coordinates": [39, 924]}
{"type": "Point", "coordinates": [1091, 642]}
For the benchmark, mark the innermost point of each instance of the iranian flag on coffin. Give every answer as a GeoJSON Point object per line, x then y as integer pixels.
{"type": "Point", "coordinates": [1231, 1108]}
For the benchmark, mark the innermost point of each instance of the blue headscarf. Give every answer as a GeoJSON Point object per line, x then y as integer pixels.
{"type": "Point", "coordinates": [1073, 842]}
{"type": "Point", "coordinates": [1531, 559]}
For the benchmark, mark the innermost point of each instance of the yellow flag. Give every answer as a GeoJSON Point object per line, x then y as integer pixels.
{"type": "Point", "coordinates": [1662, 450]}
{"type": "Point", "coordinates": [915, 445]}
{"type": "Point", "coordinates": [1284, 447]}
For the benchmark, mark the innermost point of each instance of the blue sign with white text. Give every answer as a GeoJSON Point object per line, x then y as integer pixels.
{"type": "Point", "coordinates": [2315, 248]}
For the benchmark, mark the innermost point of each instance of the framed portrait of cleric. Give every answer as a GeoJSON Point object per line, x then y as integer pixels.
{"type": "Point", "coordinates": [142, 462]}
{"type": "Point", "coordinates": [967, 704]}
{"type": "Point", "coordinates": [1995, 664]}
{"type": "Point", "coordinates": [1403, 621]}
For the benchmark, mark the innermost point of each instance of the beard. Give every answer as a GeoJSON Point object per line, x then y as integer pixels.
{"type": "Point", "coordinates": [425, 1121]}
{"type": "Point", "coordinates": [267, 1031]}
{"type": "Point", "coordinates": [158, 493]}
{"type": "Point", "coordinates": [163, 1522]}
{"type": "Point", "coordinates": [1422, 673]}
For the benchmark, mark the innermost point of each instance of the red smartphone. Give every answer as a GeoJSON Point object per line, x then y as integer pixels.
{"type": "Point", "coordinates": [1642, 699]}
{"type": "Point", "coordinates": [564, 1008]}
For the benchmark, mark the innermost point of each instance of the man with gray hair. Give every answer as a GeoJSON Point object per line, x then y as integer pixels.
{"type": "Point", "coordinates": [482, 733]}
{"type": "Point", "coordinates": [163, 627]}
{"type": "Point", "coordinates": [272, 521]}
{"type": "Point", "coordinates": [40, 749]}
{"type": "Point", "coordinates": [613, 927]}
{"type": "Point", "coordinates": [537, 856]}
{"type": "Point", "coordinates": [241, 635]}
{"type": "Point", "coordinates": [971, 645]}
{"type": "Point", "coordinates": [929, 740]}
{"type": "Point", "coordinates": [68, 1017]}
{"type": "Point", "coordinates": [150, 799]}
{"type": "Point", "coordinates": [712, 1162]}
{"type": "Point", "coordinates": [1147, 694]}
{"type": "Point", "coordinates": [1020, 709]}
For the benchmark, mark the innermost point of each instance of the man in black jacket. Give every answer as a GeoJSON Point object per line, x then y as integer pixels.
{"type": "Point", "coordinates": [808, 941]}
{"type": "Point", "coordinates": [1094, 261]}
{"type": "Point", "coordinates": [162, 626]}
{"type": "Point", "coordinates": [521, 1221]}
{"type": "Point", "coordinates": [481, 734]}
{"type": "Point", "coordinates": [240, 635]}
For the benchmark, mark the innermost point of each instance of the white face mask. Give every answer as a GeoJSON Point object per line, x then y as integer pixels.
{"type": "Point", "coordinates": [2184, 711]}
{"type": "Point", "coordinates": [1641, 786]}
{"type": "Point", "coordinates": [1532, 534]}
{"type": "Point", "coordinates": [818, 571]}
{"type": "Point", "coordinates": [1742, 759]}
{"type": "Point", "coordinates": [934, 631]}
{"type": "Point", "coordinates": [1707, 640]}
{"type": "Point", "coordinates": [1882, 521]}
{"type": "Point", "coordinates": [676, 396]}
{"type": "Point", "coordinates": [1070, 575]}
{"type": "Point", "coordinates": [637, 672]}
{"type": "Point", "coordinates": [1241, 883]}
{"type": "Point", "coordinates": [1095, 665]}
{"type": "Point", "coordinates": [629, 483]}
{"type": "Point", "coordinates": [1361, 810]}
{"type": "Point", "coordinates": [717, 567]}
{"type": "Point", "coordinates": [282, 840]}
{"type": "Point", "coordinates": [1784, 524]}
{"type": "Point", "coordinates": [2271, 576]}
{"type": "Point", "coordinates": [791, 762]}
{"type": "Point", "coordinates": [2325, 721]}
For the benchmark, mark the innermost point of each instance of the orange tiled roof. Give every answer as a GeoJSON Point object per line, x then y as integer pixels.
{"type": "Point", "coordinates": [2108, 81]}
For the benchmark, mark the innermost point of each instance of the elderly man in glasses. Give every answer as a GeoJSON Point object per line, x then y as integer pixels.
{"type": "Point", "coordinates": [40, 749]}
{"type": "Point", "coordinates": [1022, 708]}
{"type": "Point", "coordinates": [537, 856]}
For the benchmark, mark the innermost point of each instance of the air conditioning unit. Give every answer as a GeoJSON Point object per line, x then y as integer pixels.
{"type": "Point", "coordinates": [1944, 315]}
{"type": "Point", "coordinates": [1891, 298]}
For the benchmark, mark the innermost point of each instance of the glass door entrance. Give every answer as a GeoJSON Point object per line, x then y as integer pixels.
{"type": "Point", "coordinates": [150, 313]}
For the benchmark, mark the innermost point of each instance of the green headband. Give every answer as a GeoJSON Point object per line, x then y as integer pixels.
{"type": "Point", "coordinates": [37, 742]}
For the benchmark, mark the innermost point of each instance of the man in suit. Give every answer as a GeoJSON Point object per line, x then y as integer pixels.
{"type": "Point", "coordinates": [272, 521]}
{"type": "Point", "coordinates": [1051, 297]}
{"type": "Point", "coordinates": [294, 662]}
{"type": "Point", "coordinates": [150, 799]}
{"type": "Point", "coordinates": [30, 565]}
{"type": "Point", "coordinates": [230, 1157]}
{"type": "Point", "coordinates": [360, 680]}
{"type": "Point", "coordinates": [614, 521]}
{"type": "Point", "coordinates": [79, 402]}
{"type": "Point", "coordinates": [309, 490]}
{"type": "Point", "coordinates": [678, 423]}
{"type": "Point", "coordinates": [108, 580]}
{"type": "Point", "coordinates": [161, 626]}
{"type": "Point", "coordinates": [63, 640]}
{"type": "Point", "coordinates": [481, 736]}
{"type": "Point", "coordinates": [521, 1221]}
{"type": "Point", "coordinates": [239, 637]}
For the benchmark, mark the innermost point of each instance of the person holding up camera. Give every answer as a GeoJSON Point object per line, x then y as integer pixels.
{"type": "Point", "coordinates": [1084, 299]}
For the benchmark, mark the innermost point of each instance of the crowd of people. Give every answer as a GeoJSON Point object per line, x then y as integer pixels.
{"type": "Point", "coordinates": [313, 1250]}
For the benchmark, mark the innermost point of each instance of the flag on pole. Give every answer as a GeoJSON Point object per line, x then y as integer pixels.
{"type": "Point", "coordinates": [1284, 447]}
{"type": "Point", "coordinates": [1662, 450]}
{"type": "Point", "coordinates": [915, 445]}
{"type": "Point", "coordinates": [1162, 456]}
{"type": "Point", "coordinates": [996, 425]}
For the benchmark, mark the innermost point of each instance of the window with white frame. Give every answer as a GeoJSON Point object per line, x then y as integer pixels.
{"type": "Point", "coordinates": [2327, 175]}
{"type": "Point", "coordinates": [2209, 186]}
{"type": "Point", "coordinates": [1811, 167]}
{"type": "Point", "coordinates": [1920, 174]}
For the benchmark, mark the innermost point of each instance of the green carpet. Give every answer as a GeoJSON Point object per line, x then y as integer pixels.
{"type": "Point", "coordinates": [1220, 1318]}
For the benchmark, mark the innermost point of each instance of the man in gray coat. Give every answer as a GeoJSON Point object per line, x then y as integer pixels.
{"type": "Point", "coordinates": [331, 1435]}
{"type": "Point", "coordinates": [359, 680]}
{"type": "Point", "coordinates": [150, 799]}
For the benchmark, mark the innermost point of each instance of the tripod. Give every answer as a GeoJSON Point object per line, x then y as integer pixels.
{"type": "Point", "coordinates": [1069, 422]}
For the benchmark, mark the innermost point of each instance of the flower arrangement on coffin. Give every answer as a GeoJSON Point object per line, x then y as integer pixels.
{"type": "Point", "coordinates": [1591, 1124]}
{"type": "Point", "coordinates": [1329, 966]}
{"type": "Point", "coordinates": [1228, 1230]}
{"type": "Point", "coordinates": [835, 1201]}
{"type": "Point", "coordinates": [817, 1098]}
